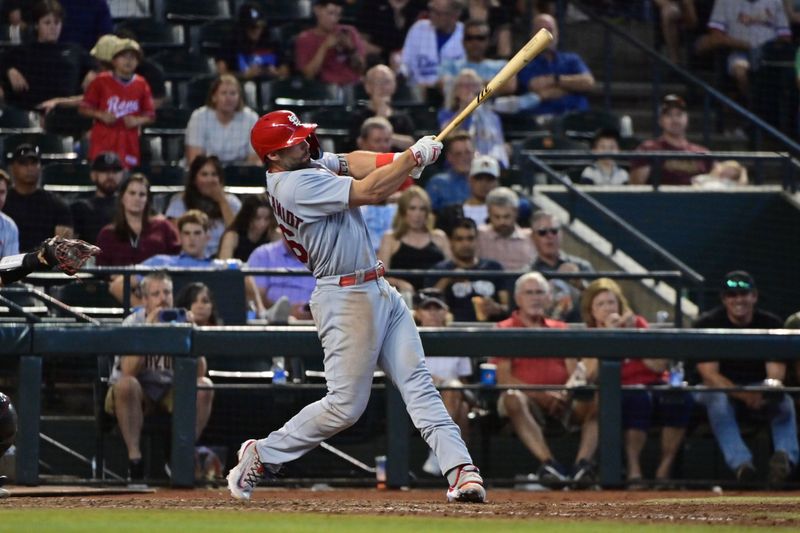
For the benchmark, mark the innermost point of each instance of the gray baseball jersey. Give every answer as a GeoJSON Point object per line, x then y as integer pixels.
{"type": "Point", "coordinates": [361, 326]}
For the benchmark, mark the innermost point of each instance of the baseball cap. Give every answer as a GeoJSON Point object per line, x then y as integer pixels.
{"type": "Point", "coordinates": [738, 281]}
{"type": "Point", "coordinates": [672, 101]}
{"type": "Point", "coordinates": [104, 48]}
{"type": "Point", "coordinates": [427, 297]}
{"type": "Point", "coordinates": [250, 14]}
{"type": "Point", "coordinates": [24, 152]}
{"type": "Point", "coordinates": [485, 164]}
{"type": "Point", "coordinates": [107, 162]}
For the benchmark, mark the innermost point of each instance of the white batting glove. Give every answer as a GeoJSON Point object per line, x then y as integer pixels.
{"type": "Point", "coordinates": [426, 151]}
{"type": "Point", "coordinates": [416, 172]}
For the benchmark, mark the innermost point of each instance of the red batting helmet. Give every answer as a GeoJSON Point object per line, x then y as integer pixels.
{"type": "Point", "coordinates": [280, 129]}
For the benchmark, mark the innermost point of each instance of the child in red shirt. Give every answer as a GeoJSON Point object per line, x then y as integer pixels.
{"type": "Point", "coordinates": [120, 102]}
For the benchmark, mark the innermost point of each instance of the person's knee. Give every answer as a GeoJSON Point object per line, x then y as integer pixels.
{"type": "Point", "coordinates": [347, 409]}
{"type": "Point", "coordinates": [515, 403]}
{"type": "Point", "coordinates": [127, 389]}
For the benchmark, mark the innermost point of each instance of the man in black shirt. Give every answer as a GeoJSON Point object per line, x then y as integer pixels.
{"type": "Point", "coordinates": [91, 214]}
{"type": "Point", "coordinates": [738, 310]}
{"type": "Point", "coordinates": [38, 214]}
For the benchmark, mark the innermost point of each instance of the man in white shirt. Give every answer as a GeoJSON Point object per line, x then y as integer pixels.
{"type": "Point", "coordinates": [432, 41]}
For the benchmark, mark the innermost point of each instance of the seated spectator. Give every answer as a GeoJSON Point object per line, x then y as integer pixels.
{"type": "Point", "coordinates": [546, 234]}
{"type": "Point", "coordinates": [723, 175]}
{"type": "Point", "coordinates": [294, 290]}
{"type": "Point", "coordinates": [412, 243]}
{"type": "Point", "coordinates": [470, 299]}
{"type": "Point", "coordinates": [221, 128]}
{"type": "Point", "coordinates": [205, 190]}
{"type": "Point", "coordinates": [483, 175]}
{"type": "Point", "coordinates": [9, 234]}
{"type": "Point", "coordinates": [253, 226]}
{"type": "Point", "coordinates": [529, 410]}
{"type": "Point", "coordinates": [605, 171]}
{"type": "Point", "coordinates": [738, 310]}
{"type": "Point", "coordinates": [483, 124]}
{"type": "Point", "coordinates": [741, 28]}
{"type": "Point", "coordinates": [430, 311]}
{"type": "Point", "coordinates": [496, 15]}
{"type": "Point", "coordinates": [383, 25]}
{"type": "Point", "coordinates": [477, 34]}
{"type": "Point", "coordinates": [39, 214]}
{"type": "Point", "coordinates": [502, 239]}
{"type": "Point", "coordinates": [12, 16]}
{"type": "Point", "coordinates": [38, 71]}
{"type": "Point", "coordinates": [248, 52]}
{"type": "Point", "coordinates": [85, 21]}
{"type": "Point", "coordinates": [560, 79]}
{"type": "Point", "coordinates": [140, 385]}
{"type": "Point", "coordinates": [197, 299]}
{"type": "Point", "coordinates": [134, 234]}
{"type": "Point", "coordinates": [431, 41]}
{"type": "Point", "coordinates": [676, 17]}
{"type": "Point", "coordinates": [674, 122]}
{"type": "Point", "coordinates": [120, 102]}
{"type": "Point", "coordinates": [380, 84]}
{"type": "Point", "coordinates": [451, 187]}
{"type": "Point", "coordinates": [91, 215]}
{"type": "Point", "coordinates": [603, 305]}
{"type": "Point", "coordinates": [330, 52]}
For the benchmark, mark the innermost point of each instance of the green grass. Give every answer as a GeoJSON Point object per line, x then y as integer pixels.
{"type": "Point", "coordinates": [201, 521]}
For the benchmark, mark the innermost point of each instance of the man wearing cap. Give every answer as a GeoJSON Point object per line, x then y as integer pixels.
{"type": "Point", "coordinates": [738, 310]}
{"type": "Point", "coordinates": [674, 121]}
{"type": "Point", "coordinates": [248, 52]}
{"type": "Point", "coordinates": [38, 214]}
{"type": "Point", "coordinates": [91, 214]}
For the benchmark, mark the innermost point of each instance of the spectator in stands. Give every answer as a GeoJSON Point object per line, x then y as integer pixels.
{"type": "Point", "coordinates": [547, 234]}
{"type": "Point", "coordinates": [222, 127]}
{"type": "Point", "coordinates": [502, 239]}
{"type": "Point", "coordinates": [151, 71]}
{"type": "Point", "coordinates": [560, 79]}
{"type": "Point", "coordinates": [135, 234]}
{"type": "Point", "coordinates": [477, 34]}
{"type": "Point", "coordinates": [603, 305]}
{"type": "Point", "coordinates": [383, 25]}
{"type": "Point", "coordinates": [738, 310]}
{"type": "Point", "coordinates": [9, 234]}
{"type": "Point", "coordinates": [284, 296]}
{"type": "Point", "coordinates": [431, 311]}
{"type": "Point", "coordinates": [431, 41]}
{"type": "Point", "coordinates": [451, 187]}
{"type": "Point", "coordinates": [530, 410]}
{"type": "Point", "coordinates": [676, 17]}
{"type": "Point", "coordinates": [39, 214]}
{"type": "Point", "coordinates": [723, 175]}
{"type": "Point", "coordinates": [248, 52]}
{"type": "Point", "coordinates": [331, 52]}
{"type": "Point", "coordinates": [252, 226]}
{"type": "Point", "coordinates": [413, 243]}
{"type": "Point", "coordinates": [674, 122]}
{"type": "Point", "coordinates": [605, 171]}
{"type": "Point", "coordinates": [497, 16]}
{"type": "Point", "coordinates": [139, 385]}
{"type": "Point", "coordinates": [38, 71]}
{"type": "Point", "coordinates": [380, 84]}
{"type": "Point", "coordinates": [483, 175]}
{"type": "Point", "coordinates": [196, 298]}
{"type": "Point", "coordinates": [85, 21]}
{"type": "Point", "coordinates": [12, 16]}
{"type": "Point", "coordinates": [205, 190]}
{"type": "Point", "coordinates": [741, 28]}
{"type": "Point", "coordinates": [483, 124]}
{"type": "Point", "coordinates": [90, 215]}
{"type": "Point", "coordinates": [470, 299]}
{"type": "Point", "coordinates": [120, 103]}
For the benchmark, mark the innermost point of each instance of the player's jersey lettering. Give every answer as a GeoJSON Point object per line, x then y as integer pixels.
{"type": "Point", "coordinates": [288, 218]}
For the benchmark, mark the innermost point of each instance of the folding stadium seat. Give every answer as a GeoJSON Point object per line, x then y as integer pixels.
{"type": "Point", "coordinates": [162, 175]}
{"type": "Point", "coordinates": [183, 65]}
{"type": "Point", "coordinates": [70, 173]}
{"type": "Point", "coordinates": [170, 118]}
{"type": "Point", "coordinates": [67, 121]}
{"type": "Point", "coordinates": [212, 36]}
{"type": "Point", "coordinates": [283, 10]}
{"type": "Point", "coordinates": [584, 124]}
{"type": "Point", "coordinates": [193, 12]}
{"type": "Point", "coordinates": [51, 146]}
{"type": "Point", "coordinates": [154, 36]}
{"type": "Point", "coordinates": [425, 120]}
{"type": "Point", "coordinates": [244, 176]}
{"type": "Point", "coordinates": [14, 119]}
{"type": "Point", "coordinates": [334, 124]}
{"type": "Point", "coordinates": [299, 92]}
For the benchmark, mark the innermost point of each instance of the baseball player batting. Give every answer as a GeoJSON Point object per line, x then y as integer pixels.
{"type": "Point", "coordinates": [362, 321]}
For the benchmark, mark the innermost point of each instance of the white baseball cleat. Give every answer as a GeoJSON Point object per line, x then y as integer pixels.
{"type": "Point", "coordinates": [468, 486]}
{"type": "Point", "coordinates": [243, 478]}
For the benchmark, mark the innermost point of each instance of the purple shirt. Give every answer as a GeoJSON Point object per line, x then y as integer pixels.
{"type": "Point", "coordinates": [276, 255]}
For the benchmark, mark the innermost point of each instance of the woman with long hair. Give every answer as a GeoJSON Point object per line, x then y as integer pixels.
{"type": "Point", "coordinates": [254, 225]}
{"type": "Point", "coordinates": [603, 305]}
{"type": "Point", "coordinates": [134, 234]}
{"type": "Point", "coordinates": [196, 298]}
{"type": "Point", "coordinates": [413, 243]}
{"type": "Point", "coordinates": [204, 189]}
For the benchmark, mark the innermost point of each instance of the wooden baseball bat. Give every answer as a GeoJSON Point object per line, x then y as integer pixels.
{"type": "Point", "coordinates": [533, 48]}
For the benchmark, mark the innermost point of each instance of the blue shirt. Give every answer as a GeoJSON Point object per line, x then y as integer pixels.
{"type": "Point", "coordinates": [180, 260]}
{"type": "Point", "coordinates": [447, 188]}
{"type": "Point", "coordinates": [563, 63]}
{"type": "Point", "coordinates": [9, 236]}
{"type": "Point", "coordinates": [276, 255]}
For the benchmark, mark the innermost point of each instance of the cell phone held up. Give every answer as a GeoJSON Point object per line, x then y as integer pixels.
{"type": "Point", "coordinates": [173, 315]}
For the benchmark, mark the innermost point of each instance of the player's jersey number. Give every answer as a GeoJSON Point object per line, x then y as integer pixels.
{"type": "Point", "coordinates": [296, 247]}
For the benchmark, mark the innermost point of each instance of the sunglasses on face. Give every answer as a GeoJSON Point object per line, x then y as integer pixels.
{"type": "Point", "coordinates": [544, 231]}
{"type": "Point", "coordinates": [476, 37]}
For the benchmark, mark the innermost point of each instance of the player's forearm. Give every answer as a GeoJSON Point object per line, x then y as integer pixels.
{"type": "Point", "coordinates": [16, 267]}
{"type": "Point", "coordinates": [361, 163]}
{"type": "Point", "coordinates": [379, 184]}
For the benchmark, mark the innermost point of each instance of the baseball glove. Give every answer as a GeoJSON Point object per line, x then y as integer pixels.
{"type": "Point", "coordinates": [67, 255]}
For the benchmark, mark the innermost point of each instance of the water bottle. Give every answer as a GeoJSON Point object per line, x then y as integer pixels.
{"type": "Point", "coordinates": [278, 371]}
{"type": "Point", "coordinates": [676, 374]}
{"type": "Point", "coordinates": [380, 472]}
{"type": "Point", "coordinates": [625, 127]}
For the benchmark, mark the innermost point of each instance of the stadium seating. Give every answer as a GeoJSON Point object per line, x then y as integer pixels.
{"type": "Point", "coordinates": [71, 173]}
{"type": "Point", "coordinates": [299, 92]}
{"type": "Point", "coordinates": [13, 119]}
{"type": "Point", "coordinates": [244, 176]}
{"type": "Point", "coordinates": [67, 121]}
{"type": "Point", "coordinates": [183, 65]}
{"type": "Point", "coordinates": [153, 35]}
{"type": "Point", "coordinates": [51, 146]}
{"type": "Point", "coordinates": [194, 12]}
{"type": "Point", "coordinates": [212, 36]}
{"type": "Point", "coordinates": [582, 125]}
{"type": "Point", "coordinates": [284, 10]}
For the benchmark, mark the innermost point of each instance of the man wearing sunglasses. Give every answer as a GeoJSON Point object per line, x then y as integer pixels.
{"type": "Point", "coordinates": [738, 310]}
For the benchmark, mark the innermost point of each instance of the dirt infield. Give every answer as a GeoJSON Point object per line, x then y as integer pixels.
{"type": "Point", "coordinates": [734, 508]}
